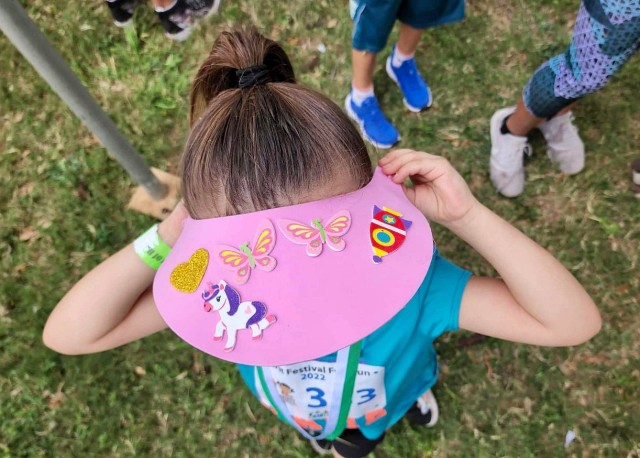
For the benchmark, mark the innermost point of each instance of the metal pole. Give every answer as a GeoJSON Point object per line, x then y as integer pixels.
{"type": "Point", "coordinates": [34, 46]}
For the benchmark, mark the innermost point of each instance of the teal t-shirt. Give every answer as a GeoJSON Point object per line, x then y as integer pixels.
{"type": "Point", "coordinates": [398, 362]}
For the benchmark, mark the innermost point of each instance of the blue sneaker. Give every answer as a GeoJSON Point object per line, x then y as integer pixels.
{"type": "Point", "coordinates": [375, 126]}
{"type": "Point", "coordinates": [417, 95]}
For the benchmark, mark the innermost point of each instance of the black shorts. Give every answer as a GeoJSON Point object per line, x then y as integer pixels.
{"type": "Point", "coordinates": [352, 444]}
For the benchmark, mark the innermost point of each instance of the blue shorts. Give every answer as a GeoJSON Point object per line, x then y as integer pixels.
{"type": "Point", "coordinates": [374, 19]}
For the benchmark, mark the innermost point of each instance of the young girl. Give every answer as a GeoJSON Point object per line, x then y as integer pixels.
{"type": "Point", "coordinates": [321, 282]}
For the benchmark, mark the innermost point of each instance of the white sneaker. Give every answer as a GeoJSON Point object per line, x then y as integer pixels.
{"type": "Point", "coordinates": [425, 411]}
{"type": "Point", "coordinates": [564, 146]}
{"type": "Point", "coordinates": [427, 404]}
{"type": "Point", "coordinates": [507, 157]}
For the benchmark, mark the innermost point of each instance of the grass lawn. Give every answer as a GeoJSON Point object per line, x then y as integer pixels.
{"type": "Point", "coordinates": [62, 211]}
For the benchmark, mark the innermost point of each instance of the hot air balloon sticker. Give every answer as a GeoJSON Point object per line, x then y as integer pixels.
{"type": "Point", "coordinates": [387, 232]}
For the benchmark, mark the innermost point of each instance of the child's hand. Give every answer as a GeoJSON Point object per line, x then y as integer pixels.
{"type": "Point", "coordinates": [439, 191]}
{"type": "Point", "coordinates": [170, 229]}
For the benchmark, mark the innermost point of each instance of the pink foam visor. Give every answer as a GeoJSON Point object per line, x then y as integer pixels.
{"type": "Point", "coordinates": [295, 283]}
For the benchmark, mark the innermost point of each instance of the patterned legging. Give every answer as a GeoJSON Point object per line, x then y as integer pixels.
{"type": "Point", "coordinates": [605, 36]}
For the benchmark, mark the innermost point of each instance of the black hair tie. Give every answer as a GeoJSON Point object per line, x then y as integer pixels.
{"type": "Point", "coordinates": [252, 76]}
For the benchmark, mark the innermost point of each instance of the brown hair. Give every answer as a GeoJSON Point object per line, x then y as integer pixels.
{"type": "Point", "coordinates": [263, 146]}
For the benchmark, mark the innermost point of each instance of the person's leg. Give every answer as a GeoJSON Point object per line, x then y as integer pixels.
{"type": "Point", "coordinates": [362, 106]}
{"type": "Point", "coordinates": [121, 11]}
{"type": "Point", "coordinates": [408, 39]}
{"type": "Point", "coordinates": [509, 130]}
{"type": "Point", "coordinates": [415, 16]}
{"type": "Point", "coordinates": [363, 64]}
{"type": "Point", "coordinates": [175, 17]}
{"type": "Point", "coordinates": [178, 16]}
{"type": "Point", "coordinates": [564, 146]}
{"type": "Point", "coordinates": [522, 122]}
{"type": "Point", "coordinates": [506, 165]}
{"type": "Point", "coordinates": [162, 5]}
{"type": "Point", "coordinates": [373, 21]}
{"type": "Point", "coordinates": [402, 69]}
{"type": "Point", "coordinates": [604, 38]}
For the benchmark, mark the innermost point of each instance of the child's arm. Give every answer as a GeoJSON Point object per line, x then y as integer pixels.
{"type": "Point", "coordinates": [111, 305]}
{"type": "Point", "coordinates": [537, 301]}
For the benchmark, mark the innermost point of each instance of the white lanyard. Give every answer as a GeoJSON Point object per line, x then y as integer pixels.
{"type": "Point", "coordinates": [346, 367]}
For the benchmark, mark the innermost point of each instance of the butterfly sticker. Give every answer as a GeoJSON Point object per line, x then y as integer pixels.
{"type": "Point", "coordinates": [241, 260]}
{"type": "Point", "coordinates": [316, 235]}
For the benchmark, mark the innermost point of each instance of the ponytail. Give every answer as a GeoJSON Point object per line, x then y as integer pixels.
{"type": "Point", "coordinates": [234, 56]}
{"type": "Point", "coordinates": [258, 139]}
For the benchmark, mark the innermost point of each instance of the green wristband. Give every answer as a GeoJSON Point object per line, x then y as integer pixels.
{"type": "Point", "coordinates": [151, 248]}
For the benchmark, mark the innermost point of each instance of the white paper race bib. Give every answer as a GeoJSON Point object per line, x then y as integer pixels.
{"type": "Point", "coordinates": [307, 388]}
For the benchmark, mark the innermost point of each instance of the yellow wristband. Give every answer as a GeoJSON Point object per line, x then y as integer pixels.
{"type": "Point", "coordinates": [151, 248]}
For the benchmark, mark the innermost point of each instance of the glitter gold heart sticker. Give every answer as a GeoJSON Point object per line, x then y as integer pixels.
{"type": "Point", "coordinates": [187, 276]}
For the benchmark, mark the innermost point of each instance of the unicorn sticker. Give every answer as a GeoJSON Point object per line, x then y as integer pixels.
{"type": "Point", "coordinates": [235, 315]}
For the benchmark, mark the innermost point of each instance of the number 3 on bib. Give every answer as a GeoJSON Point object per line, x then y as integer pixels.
{"type": "Point", "coordinates": [369, 397]}
{"type": "Point", "coordinates": [365, 395]}
{"type": "Point", "coordinates": [318, 396]}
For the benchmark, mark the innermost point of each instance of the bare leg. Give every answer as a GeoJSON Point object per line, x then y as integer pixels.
{"type": "Point", "coordinates": [375, 126]}
{"type": "Point", "coordinates": [408, 39]}
{"type": "Point", "coordinates": [162, 4]}
{"type": "Point", "coordinates": [363, 63]}
{"type": "Point", "coordinates": [566, 109]}
{"type": "Point", "coordinates": [521, 122]}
